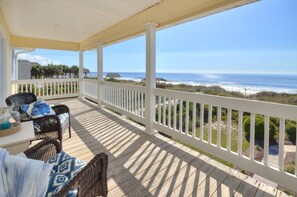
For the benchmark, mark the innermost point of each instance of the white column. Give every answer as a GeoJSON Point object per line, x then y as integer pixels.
{"type": "Point", "coordinates": [6, 71]}
{"type": "Point", "coordinates": [2, 103]}
{"type": "Point", "coordinates": [99, 73]}
{"type": "Point", "coordinates": [14, 66]}
{"type": "Point", "coordinates": [81, 73]}
{"type": "Point", "coordinates": [150, 77]}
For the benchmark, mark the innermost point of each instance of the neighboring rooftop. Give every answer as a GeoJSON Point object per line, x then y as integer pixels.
{"type": "Point", "coordinates": [113, 75]}
{"type": "Point", "coordinates": [158, 80]}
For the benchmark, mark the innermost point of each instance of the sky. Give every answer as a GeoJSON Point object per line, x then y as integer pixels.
{"type": "Point", "coordinates": [257, 38]}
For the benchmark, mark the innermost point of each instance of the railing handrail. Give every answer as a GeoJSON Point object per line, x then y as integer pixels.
{"type": "Point", "coordinates": [43, 80]}
{"type": "Point", "coordinates": [90, 80]}
{"type": "Point", "coordinates": [125, 86]}
{"type": "Point", "coordinates": [258, 107]}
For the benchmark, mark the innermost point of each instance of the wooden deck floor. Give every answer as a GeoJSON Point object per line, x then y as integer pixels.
{"type": "Point", "coordinates": [143, 165]}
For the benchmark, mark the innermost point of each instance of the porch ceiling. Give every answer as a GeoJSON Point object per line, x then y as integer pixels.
{"type": "Point", "coordinates": [71, 21]}
{"type": "Point", "coordinates": [78, 25]}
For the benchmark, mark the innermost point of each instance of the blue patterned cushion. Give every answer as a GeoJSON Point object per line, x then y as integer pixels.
{"type": "Point", "coordinates": [37, 109]}
{"type": "Point", "coordinates": [56, 183]}
{"type": "Point", "coordinates": [65, 164]}
{"type": "Point", "coordinates": [36, 127]}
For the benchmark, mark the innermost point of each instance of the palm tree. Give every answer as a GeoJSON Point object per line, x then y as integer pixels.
{"type": "Point", "coordinates": [86, 71]}
{"type": "Point", "coordinates": [64, 70]}
{"type": "Point", "coordinates": [59, 70]}
{"type": "Point", "coordinates": [75, 71]}
{"type": "Point", "coordinates": [37, 71]}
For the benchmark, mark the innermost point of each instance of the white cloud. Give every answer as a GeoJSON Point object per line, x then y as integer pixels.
{"type": "Point", "coordinates": [37, 58]}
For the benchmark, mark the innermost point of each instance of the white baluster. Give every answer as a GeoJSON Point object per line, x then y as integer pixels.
{"type": "Point", "coordinates": [209, 124]}
{"type": "Point", "coordinates": [133, 105]}
{"type": "Point", "coordinates": [180, 115]}
{"type": "Point", "coordinates": [219, 119]}
{"type": "Point", "coordinates": [39, 94]}
{"type": "Point", "coordinates": [281, 144]}
{"type": "Point", "coordinates": [114, 96]}
{"type": "Point", "coordinates": [174, 114]}
{"type": "Point", "coordinates": [142, 104]}
{"type": "Point", "coordinates": [201, 121]}
{"type": "Point", "coordinates": [296, 152]}
{"type": "Point", "coordinates": [252, 136]}
{"type": "Point", "coordinates": [159, 111]}
{"type": "Point", "coordinates": [117, 97]}
{"type": "Point", "coordinates": [187, 117]}
{"type": "Point", "coordinates": [169, 112]}
{"type": "Point", "coordinates": [35, 87]}
{"type": "Point", "coordinates": [124, 100]}
{"type": "Point", "coordinates": [138, 103]}
{"type": "Point", "coordinates": [229, 123]}
{"type": "Point", "coordinates": [130, 101]}
{"type": "Point", "coordinates": [51, 88]}
{"type": "Point", "coordinates": [164, 111]}
{"type": "Point", "coordinates": [240, 117]}
{"type": "Point", "coordinates": [266, 139]}
{"type": "Point", "coordinates": [194, 121]}
{"type": "Point", "coordinates": [55, 84]}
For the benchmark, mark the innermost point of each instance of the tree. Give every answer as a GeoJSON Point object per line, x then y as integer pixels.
{"type": "Point", "coordinates": [64, 70]}
{"type": "Point", "coordinates": [75, 71]}
{"type": "Point", "coordinates": [86, 71]}
{"type": "Point", "coordinates": [37, 71]}
{"type": "Point", "coordinates": [55, 71]}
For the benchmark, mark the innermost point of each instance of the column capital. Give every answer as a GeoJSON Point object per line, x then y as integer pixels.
{"type": "Point", "coordinates": [150, 23]}
{"type": "Point", "coordinates": [99, 44]}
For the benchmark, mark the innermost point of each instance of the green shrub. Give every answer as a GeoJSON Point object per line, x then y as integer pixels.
{"type": "Point", "coordinates": [274, 120]}
{"type": "Point", "coordinates": [291, 131]}
{"type": "Point", "coordinates": [259, 128]}
{"type": "Point", "coordinates": [290, 169]}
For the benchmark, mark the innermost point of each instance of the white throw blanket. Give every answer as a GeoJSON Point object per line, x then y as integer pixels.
{"type": "Point", "coordinates": [21, 177]}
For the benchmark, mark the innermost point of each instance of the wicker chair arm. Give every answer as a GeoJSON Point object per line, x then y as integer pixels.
{"type": "Point", "coordinates": [44, 150]}
{"type": "Point", "coordinates": [48, 123]}
{"type": "Point", "coordinates": [60, 109]}
{"type": "Point", "coordinates": [91, 180]}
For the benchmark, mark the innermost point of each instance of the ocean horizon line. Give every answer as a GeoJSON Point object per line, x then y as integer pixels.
{"type": "Point", "coordinates": [201, 73]}
{"type": "Point", "coordinates": [253, 83]}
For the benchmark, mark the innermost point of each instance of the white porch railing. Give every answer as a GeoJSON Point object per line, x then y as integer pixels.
{"type": "Point", "coordinates": [185, 116]}
{"type": "Point", "coordinates": [125, 99]}
{"type": "Point", "coordinates": [173, 110]}
{"type": "Point", "coordinates": [48, 88]}
{"type": "Point", "coordinates": [90, 89]}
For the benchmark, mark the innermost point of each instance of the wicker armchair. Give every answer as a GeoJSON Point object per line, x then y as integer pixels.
{"type": "Point", "coordinates": [90, 181]}
{"type": "Point", "coordinates": [48, 126]}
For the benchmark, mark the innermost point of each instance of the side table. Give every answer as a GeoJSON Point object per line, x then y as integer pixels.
{"type": "Point", "coordinates": [18, 142]}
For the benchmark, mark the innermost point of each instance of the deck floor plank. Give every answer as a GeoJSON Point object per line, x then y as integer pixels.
{"type": "Point", "coordinates": [145, 165]}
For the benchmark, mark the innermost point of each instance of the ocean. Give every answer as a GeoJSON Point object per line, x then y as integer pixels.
{"type": "Point", "coordinates": [249, 83]}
